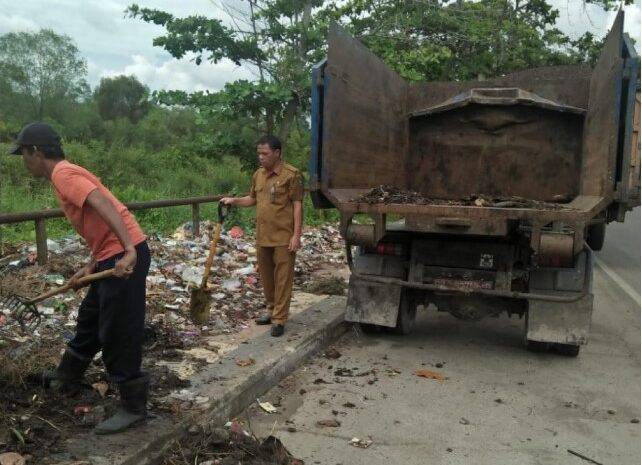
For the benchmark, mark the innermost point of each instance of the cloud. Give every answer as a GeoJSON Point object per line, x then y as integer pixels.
{"type": "Point", "coordinates": [182, 74]}
{"type": "Point", "coordinates": [577, 17]}
{"type": "Point", "coordinates": [14, 23]}
{"type": "Point", "coordinates": [114, 44]}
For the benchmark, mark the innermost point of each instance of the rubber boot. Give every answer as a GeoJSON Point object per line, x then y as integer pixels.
{"type": "Point", "coordinates": [133, 407]}
{"type": "Point", "coordinates": [67, 377]}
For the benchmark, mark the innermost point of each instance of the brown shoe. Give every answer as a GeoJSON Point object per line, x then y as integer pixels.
{"type": "Point", "coordinates": [264, 320]}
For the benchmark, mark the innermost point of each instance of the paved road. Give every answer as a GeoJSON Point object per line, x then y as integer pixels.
{"type": "Point", "coordinates": [500, 405]}
{"type": "Point", "coordinates": [621, 252]}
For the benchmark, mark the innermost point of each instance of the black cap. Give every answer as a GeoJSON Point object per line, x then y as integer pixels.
{"type": "Point", "coordinates": [35, 134]}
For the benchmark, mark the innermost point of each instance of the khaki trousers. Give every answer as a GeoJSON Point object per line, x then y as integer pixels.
{"type": "Point", "coordinates": [276, 267]}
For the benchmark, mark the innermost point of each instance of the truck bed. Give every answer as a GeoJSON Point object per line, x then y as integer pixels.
{"type": "Point", "coordinates": [537, 135]}
{"type": "Point", "coordinates": [580, 209]}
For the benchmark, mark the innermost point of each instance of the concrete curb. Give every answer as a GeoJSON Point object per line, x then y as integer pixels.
{"type": "Point", "coordinates": [306, 334]}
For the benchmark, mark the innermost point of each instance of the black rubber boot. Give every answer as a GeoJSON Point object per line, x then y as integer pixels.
{"type": "Point", "coordinates": [133, 407]}
{"type": "Point", "coordinates": [67, 377]}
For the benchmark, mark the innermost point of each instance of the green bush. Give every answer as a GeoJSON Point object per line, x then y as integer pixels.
{"type": "Point", "coordinates": [135, 174]}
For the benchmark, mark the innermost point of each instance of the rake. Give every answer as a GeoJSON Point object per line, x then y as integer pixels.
{"type": "Point", "coordinates": [24, 310]}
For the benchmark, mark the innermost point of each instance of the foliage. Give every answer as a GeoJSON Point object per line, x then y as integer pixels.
{"type": "Point", "coordinates": [43, 68]}
{"type": "Point", "coordinates": [167, 174]}
{"type": "Point", "coordinates": [429, 40]}
{"type": "Point", "coordinates": [122, 97]}
{"type": "Point", "coordinates": [185, 144]}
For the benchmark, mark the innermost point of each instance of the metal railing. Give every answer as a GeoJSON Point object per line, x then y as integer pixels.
{"type": "Point", "coordinates": [40, 217]}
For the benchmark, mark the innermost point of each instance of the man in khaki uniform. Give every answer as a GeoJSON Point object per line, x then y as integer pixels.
{"type": "Point", "coordinates": [277, 192]}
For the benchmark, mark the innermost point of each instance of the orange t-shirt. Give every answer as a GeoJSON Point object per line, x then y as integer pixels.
{"type": "Point", "coordinates": [73, 184]}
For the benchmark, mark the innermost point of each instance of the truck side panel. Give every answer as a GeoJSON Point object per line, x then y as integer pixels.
{"type": "Point", "coordinates": [364, 128]}
{"type": "Point", "coordinates": [602, 119]}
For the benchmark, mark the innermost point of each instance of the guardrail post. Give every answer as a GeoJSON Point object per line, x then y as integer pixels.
{"type": "Point", "coordinates": [41, 241]}
{"type": "Point", "coordinates": [196, 220]}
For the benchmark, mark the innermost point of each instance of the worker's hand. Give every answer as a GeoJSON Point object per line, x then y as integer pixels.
{"type": "Point", "coordinates": [125, 266]}
{"type": "Point", "coordinates": [227, 200]}
{"type": "Point", "coordinates": [295, 243]}
{"type": "Point", "coordinates": [84, 271]}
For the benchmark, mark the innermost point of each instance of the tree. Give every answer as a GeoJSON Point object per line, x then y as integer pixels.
{"type": "Point", "coordinates": [428, 40]}
{"type": "Point", "coordinates": [44, 68]}
{"type": "Point", "coordinates": [421, 39]}
{"type": "Point", "coordinates": [122, 97]}
{"type": "Point", "coordinates": [273, 40]}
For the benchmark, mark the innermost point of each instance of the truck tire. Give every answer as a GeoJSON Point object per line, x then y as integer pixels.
{"type": "Point", "coordinates": [369, 328]}
{"type": "Point", "coordinates": [595, 236]}
{"type": "Point", "coordinates": [570, 350]}
{"type": "Point", "coordinates": [536, 346]}
{"type": "Point", "coordinates": [406, 315]}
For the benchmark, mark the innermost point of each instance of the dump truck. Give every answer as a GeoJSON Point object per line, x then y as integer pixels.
{"type": "Point", "coordinates": [478, 197]}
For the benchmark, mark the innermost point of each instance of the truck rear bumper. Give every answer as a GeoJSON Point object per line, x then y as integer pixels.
{"type": "Point", "coordinates": [543, 295]}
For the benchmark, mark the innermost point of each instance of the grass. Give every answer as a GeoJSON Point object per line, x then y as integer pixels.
{"type": "Point", "coordinates": [134, 174]}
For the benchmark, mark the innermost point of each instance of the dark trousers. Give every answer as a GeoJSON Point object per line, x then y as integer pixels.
{"type": "Point", "coordinates": [112, 318]}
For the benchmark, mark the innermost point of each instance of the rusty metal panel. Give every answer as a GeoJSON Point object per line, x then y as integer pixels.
{"type": "Point", "coordinates": [602, 120]}
{"type": "Point", "coordinates": [500, 96]}
{"type": "Point", "coordinates": [568, 85]}
{"type": "Point", "coordinates": [448, 225]}
{"type": "Point", "coordinates": [633, 184]}
{"type": "Point", "coordinates": [493, 150]}
{"type": "Point", "coordinates": [364, 125]}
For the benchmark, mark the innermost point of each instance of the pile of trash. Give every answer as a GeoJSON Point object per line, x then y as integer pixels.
{"type": "Point", "coordinates": [230, 445]}
{"type": "Point", "coordinates": [177, 267]}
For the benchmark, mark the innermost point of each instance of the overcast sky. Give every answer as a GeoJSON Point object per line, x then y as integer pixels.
{"type": "Point", "coordinates": [114, 44]}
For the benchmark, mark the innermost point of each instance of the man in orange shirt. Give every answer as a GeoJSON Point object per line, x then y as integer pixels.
{"type": "Point", "coordinates": [111, 318]}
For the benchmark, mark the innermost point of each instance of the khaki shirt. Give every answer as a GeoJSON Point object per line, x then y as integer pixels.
{"type": "Point", "coordinates": [275, 193]}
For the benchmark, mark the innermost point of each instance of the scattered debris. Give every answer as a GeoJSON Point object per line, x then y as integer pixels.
{"type": "Point", "coordinates": [327, 285]}
{"type": "Point", "coordinates": [223, 447]}
{"type": "Point", "coordinates": [349, 405]}
{"type": "Point", "coordinates": [236, 232]}
{"type": "Point", "coordinates": [583, 457]}
{"type": "Point", "coordinates": [187, 395]}
{"type": "Point", "coordinates": [332, 353]}
{"type": "Point", "coordinates": [388, 194]}
{"type": "Point", "coordinates": [245, 362]}
{"type": "Point", "coordinates": [82, 409]}
{"type": "Point", "coordinates": [362, 443]}
{"type": "Point", "coordinates": [431, 375]}
{"type": "Point", "coordinates": [464, 421]}
{"type": "Point", "coordinates": [101, 388]}
{"type": "Point", "coordinates": [268, 407]}
{"type": "Point", "coordinates": [12, 458]}
{"type": "Point", "coordinates": [329, 423]}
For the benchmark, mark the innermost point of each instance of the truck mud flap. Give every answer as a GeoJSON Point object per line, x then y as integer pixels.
{"type": "Point", "coordinates": [373, 303]}
{"type": "Point", "coordinates": [562, 323]}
